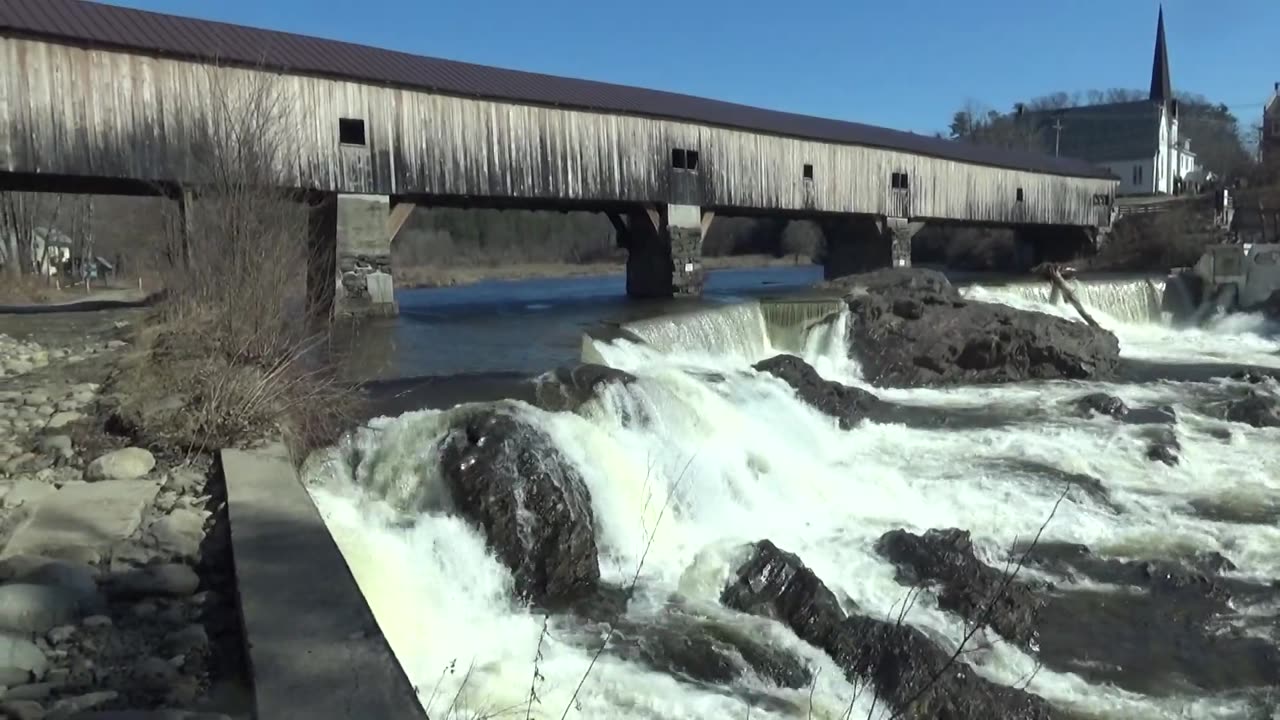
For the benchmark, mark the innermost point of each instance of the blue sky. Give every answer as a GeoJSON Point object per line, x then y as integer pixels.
{"type": "Point", "coordinates": [907, 64]}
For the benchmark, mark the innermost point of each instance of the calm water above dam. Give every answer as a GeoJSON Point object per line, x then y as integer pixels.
{"type": "Point", "coordinates": [525, 327]}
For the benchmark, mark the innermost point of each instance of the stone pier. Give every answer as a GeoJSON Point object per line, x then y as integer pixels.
{"type": "Point", "coordinates": [861, 243]}
{"type": "Point", "coordinates": [664, 249]}
{"type": "Point", "coordinates": [350, 268]}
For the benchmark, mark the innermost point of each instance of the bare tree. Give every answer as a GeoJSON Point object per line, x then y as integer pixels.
{"type": "Point", "coordinates": [79, 224]}
{"type": "Point", "coordinates": [239, 238]}
{"type": "Point", "coordinates": [26, 220]}
{"type": "Point", "coordinates": [801, 238]}
{"type": "Point", "coordinates": [981, 125]}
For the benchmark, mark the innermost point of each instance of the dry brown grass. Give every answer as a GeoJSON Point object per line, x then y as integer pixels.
{"type": "Point", "coordinates": [27, 289]}
{"type": "Point", "coordinates": [230, 356]}
{"type": "Point", "coordinates": [428, 276]}
{"type": "Point", "coordinates": [34, 290]}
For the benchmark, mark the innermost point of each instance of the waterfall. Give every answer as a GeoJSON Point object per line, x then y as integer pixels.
{"type": "Point", "coordinates": [700, 455]}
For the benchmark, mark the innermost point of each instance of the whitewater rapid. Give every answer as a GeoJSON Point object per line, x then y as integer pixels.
{"type": "Point", "coordinates": [728, 456]}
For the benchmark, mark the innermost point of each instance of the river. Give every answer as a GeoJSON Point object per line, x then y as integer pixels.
{"type": "Point", "coordinates": [735, 457]}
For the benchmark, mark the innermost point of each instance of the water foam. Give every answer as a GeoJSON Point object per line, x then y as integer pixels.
{"type": "Point", "coordinates": [728, 456]}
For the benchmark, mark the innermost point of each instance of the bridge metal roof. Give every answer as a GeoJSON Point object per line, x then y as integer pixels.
{"type": "Point", "coordinates": [98, 25]}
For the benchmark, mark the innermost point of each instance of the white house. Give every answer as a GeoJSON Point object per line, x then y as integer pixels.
{"type": "Point", "coordinates": [50, 250]}
{"type": "Point", "coordinates": [1137, 141]}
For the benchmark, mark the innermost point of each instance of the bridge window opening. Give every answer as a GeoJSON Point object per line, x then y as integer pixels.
{"type": "Point", "coordinates": [684, 159]}
{"type": "Point", "coordinates": [351, 131]}
{"type": "Point", "coordinates": [900, 181]}
{"type": "Point", "coordinates": [808, 171]}
{"type": "Point", "coordinates": [1019, 194]}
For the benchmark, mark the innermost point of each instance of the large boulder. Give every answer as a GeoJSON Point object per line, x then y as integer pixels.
{"type": "Point", "coordinates": [965, 585]}
{"type": "Point", "coordinates": [908, 671]}
{"type": "Point", "coordinates": [509, 479]}
{"type": "Point", "coordinates": [568, 388]}
{"type": "Point", "coordinates": [1257, 409]}
{"type": "Point", "coordinates": [910, 328]}
{"type": "Point", "coordinates": [700, 649]}
{"type": "Point", "coordinates": [1176, 623]}
{"type": "Point", "coordinates": [847, 404]}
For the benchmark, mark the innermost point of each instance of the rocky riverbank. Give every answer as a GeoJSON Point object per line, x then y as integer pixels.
{"type": "Point", "coordinates": [116, 586]}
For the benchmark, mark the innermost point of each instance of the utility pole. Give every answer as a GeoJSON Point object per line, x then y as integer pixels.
{"type": "Point", "coordinates": [1057, 134]}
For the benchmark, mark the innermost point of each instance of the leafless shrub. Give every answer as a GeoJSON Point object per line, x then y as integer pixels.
{"type": "Point", "coordinates": [1156, 242]}
{"type": "Point", "coordinates": [233, 337]}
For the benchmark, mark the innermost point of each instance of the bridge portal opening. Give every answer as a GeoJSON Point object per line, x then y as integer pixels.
{"type": "Point", "coordinates": [351, 132]}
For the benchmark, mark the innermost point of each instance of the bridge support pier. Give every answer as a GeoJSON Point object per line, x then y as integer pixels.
{"type": "Point", "coordinates": [350, 249]}
{"type": "Point", "coordinates": [862, 243]}
{"type": "Point", "coordinates": [664, 249]}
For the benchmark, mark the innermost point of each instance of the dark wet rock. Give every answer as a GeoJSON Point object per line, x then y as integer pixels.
{"type": "Point", "coordinates": [947, 340]}
{"type": "Point", "coordinates": [893, 279]}
{"type": "Point", "coordinates": [508, 478]}
{"type": "Point", "coordinates": [902, 664]}
{"type": "Point", "coordinates": [847, 404]}
{"type": "Point", "coordinates": [1102, 404]}
{"type": "Point", "coordinates": [1081, 485]}
{"type": "Point", "coordinates": [1160, 415]}
{"type": "Point", "coordinates": [908, 671]}
{"type": "Point", "coordinates": [1169, 630]}
{"type": "Point", "coordinates": [775, 584]}
{"type": "Point", "coordinates": [1164, 447]}
{"type": "Point", "coordinates": [1269, 307]}
{"type": "Point", "coordinates": [1112, 406]}
{"type": "Point", "coordinates": [1256, 409]}
{"type": "Point", "coordinates": [1256, 376]}
{"type": "Point", "coordinates": [965, 585]}
{"type": "Point", "coordinates": [850, 405]}
{"type": "Point", "coordinates": [602, 604]}
{"type": "Point", "coordinates": [568, 388]}
{"type": "Point", "coordinates": [1260, 512]}
{"type": "Point", "coordinates": [701, 650]}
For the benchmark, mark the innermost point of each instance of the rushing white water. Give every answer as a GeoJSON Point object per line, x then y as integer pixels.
{"type": "Point", "coordinates": [729, 456]}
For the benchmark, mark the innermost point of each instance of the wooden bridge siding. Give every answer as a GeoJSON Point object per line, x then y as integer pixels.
{"type": "Point", "coordinates": [103, 113]}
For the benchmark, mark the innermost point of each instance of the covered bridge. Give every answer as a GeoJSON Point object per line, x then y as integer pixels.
{"type": "Point", "coordinates": [104, 98]}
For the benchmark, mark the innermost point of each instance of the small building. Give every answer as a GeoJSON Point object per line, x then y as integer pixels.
{"type": "Point", "coordinates": [1270, 140]}
{"type": "Point", "coordinates": [1137, 141]}
{"type": "Point", "coordinates": [50, 250]}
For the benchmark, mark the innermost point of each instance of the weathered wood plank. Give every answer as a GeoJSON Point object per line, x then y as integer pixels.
{"type": "Point", "coordinates": [106, 113]}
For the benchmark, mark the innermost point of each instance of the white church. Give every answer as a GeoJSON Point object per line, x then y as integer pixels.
{"type": "Point", "coordinates": [1137, 141]}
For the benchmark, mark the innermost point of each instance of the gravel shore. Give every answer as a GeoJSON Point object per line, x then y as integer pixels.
{"type": "Point", "coordinates": [117, 591]}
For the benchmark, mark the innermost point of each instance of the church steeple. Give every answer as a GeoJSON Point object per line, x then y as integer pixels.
{"type": "Point", "coordinates": [1161, 89]}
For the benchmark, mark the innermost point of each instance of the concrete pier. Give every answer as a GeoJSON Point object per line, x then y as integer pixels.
{"type": "Point", "coordinates": [364, 285]}
{"type": "Point", "coordinates": [664, 249]}
{"type": "Point", "coordinates": [861, 243]}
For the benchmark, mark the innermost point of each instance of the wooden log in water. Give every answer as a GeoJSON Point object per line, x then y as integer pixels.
{"type": "Point", "coordinates": [1055, 276]}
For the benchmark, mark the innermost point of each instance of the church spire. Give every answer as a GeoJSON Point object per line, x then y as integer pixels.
{"type": "Point", "coordinates": [1161, 89]}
